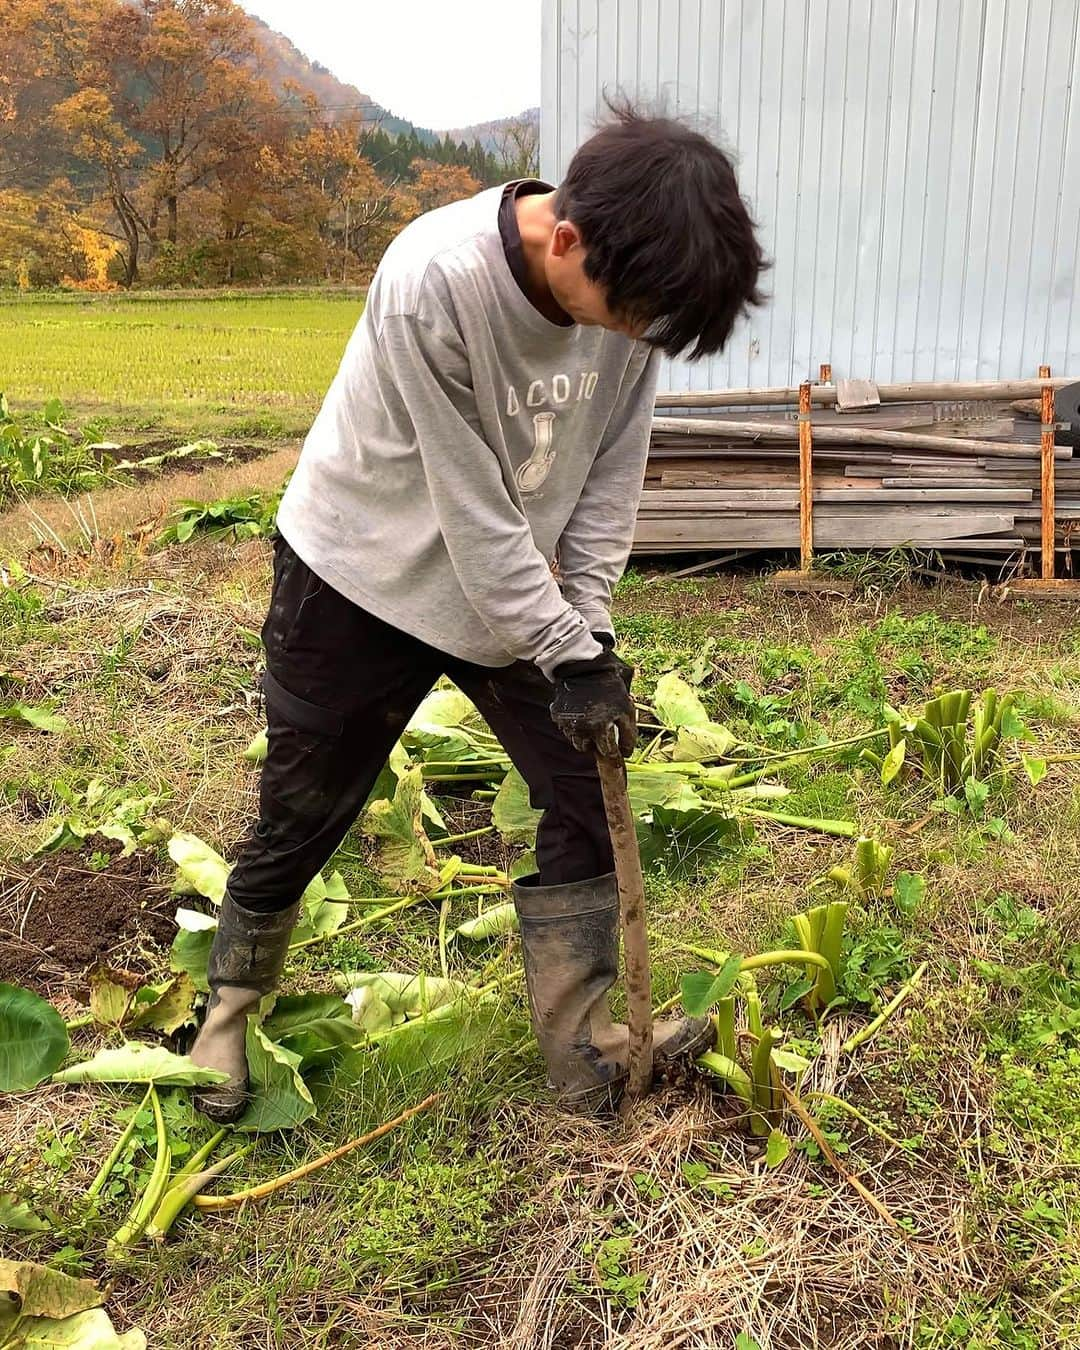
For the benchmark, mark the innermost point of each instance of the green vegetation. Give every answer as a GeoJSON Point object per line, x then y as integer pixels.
{"type": "Point", "coordinates": [912, 985]}
{"type": "Point", "coordinates": [220, 364]}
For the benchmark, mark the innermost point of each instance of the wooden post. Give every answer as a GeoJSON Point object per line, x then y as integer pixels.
{"type": "Point", "coordinates": [1049, 528]}
{"type": "Point", "coordinates": [825, 373]}
{"type": "Point", "coordinates": [806, 481]}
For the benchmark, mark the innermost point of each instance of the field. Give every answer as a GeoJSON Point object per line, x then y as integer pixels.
{"type": "Point", "coordinates": [492, 1219]}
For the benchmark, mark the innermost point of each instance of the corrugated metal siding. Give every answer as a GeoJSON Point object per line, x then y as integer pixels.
{"type": "Point", "coordinates": [914, 165]}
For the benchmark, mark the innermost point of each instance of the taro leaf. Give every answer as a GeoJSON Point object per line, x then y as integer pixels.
{"type": "Point", "coordinates": [39, 1291]}
{"type": "Point", "coordinates": [201, 870]}
{"type": "Point", "coordinates": [165, 1007]}
{"type": "Point", "coordinates": [313, 1026]}
{"type": "Point", "coordinates": [648, 789]}
{"type": "Point", "coordinates": [703, 742]}
{"type": "Point", "coordinates": [280, 1098]}
{"type": "Point", "coordinates": [190, 951]}
{"type": "Point", "coordinates": [256, 751]}
{"type": "Point", "coordinates": [513, 816]}
{"type": "Point", "coordinates": [701, 988]}
{"type": "Point", "coordinates": [369, 1012]}
{"type": "Point", "coordinates": [494, 922]}
{"type": "Point", "coordinates": [405, 855]}
{"type": "Point", "coordinates": [17, 1217]}
{"type": "Point", "coordinates": [1012, 725]}
{"type": "Point", "coordinates": [525, 866]}
{"type": "Point", "coordinates": [324, 907]}
{"type": "Point", "coordinates": [677, 705]}
{"type": "Point", "coordinates": [33, 1039]}
{"type": "Point", "coordinates": [405, 994]}
{"type": "Point", "coordinates": [441, 728]}
{"type": "Point", "coordinates": [1034, 768]}
{"type": "Point", "coordinates": [789, 1061]}
{"type": "Point", "coordinates": [684, 841]}
{"type": "Point", "coordinates": [893, 762]}
{"type": "Point", "coordinates": [975, 794]}
{"type": "Point", "coordinates": [109, 1000]}
{"type": "Point", "coordinates": [90, 1330]}
{"type": "Point", "coordinates": [134, 1062]}
{"type": "Point", "coordinates": [909, 889]}
{"type": "Point", "coordinates": [777, 1148]}
{"type": "Point", "coordinates": [796, 991]}
{"type": "Point", "coordinates": [446, 1036]}
{"type": "Point", "coordinates": [43, 719]}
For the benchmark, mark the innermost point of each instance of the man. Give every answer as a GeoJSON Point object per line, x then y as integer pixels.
{"type": "Point", "coordinates": [490, 417]}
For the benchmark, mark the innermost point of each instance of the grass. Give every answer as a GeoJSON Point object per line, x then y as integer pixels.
{"type": "Point", "coordinates": [495, 1220]}
{"type": "Point", "coordinates": [240, 364]}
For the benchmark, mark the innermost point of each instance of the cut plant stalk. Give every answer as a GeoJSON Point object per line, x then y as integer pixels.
{"type": "Point", "coordinates": [821, 930]}
{"type": "Point", "coordinates": [872, 1028]}
{"type": "Point", "coordinates": [146, 1204]}
{"type": "Point", "coordinates": [212, 1202]}
{"type": "Point", "coordinates": [768, 1102]}
{"type": "Point", "coordinates": [96, 1186]}
{"type": "Point", "coordinates": [184, 1188]}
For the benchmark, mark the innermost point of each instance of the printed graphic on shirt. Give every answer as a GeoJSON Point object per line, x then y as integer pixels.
{"type": "Point", "coordinates": [533, 473]}
{"type": "Point", "coordinates": [536, 468]}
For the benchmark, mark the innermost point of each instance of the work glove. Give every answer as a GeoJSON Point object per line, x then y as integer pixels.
{"type": "Point", "coordinates": [592, 706]}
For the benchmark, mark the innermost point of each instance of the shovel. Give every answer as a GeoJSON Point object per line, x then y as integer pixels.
{"type": "Point", "coordinates": [637, 975]}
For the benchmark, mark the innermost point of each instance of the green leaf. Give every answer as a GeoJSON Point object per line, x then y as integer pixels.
{"type": "Point", "coordinates": [909, 891]}
{"type": "Point", "coordinates": [777, 1148]}
{"type": "Point", "coordinates": [33, 1039]}
{"type": "Point", "coordinates": [109, 1001]}
{"type": "Point", "coordinates": [893, 762]}
{"type": "Point", "coordinates": [794, 992]}
{"type": "Point", "coordinates": [677, 705]}
{"type": "Point", "coordinates": [201, 870]}
{"type": "Point", "coordinates": [54, 413]}
{"type": "Point", "coordinates": [976, 794]}
{"type": "Point", "coordinates": [1034, 768]}
{"type": "Point", "coordinates": [649, 788]}
{"type": "Point", "coordinates": [512, 815]}
{"type": "Point", "coordinates": [190, 951]}
{"type": "Point", "coordinates": [280, 1099]}
{"type": "Point", "coordinates": [39, 1291]}
{"type": "Point", "coordinates": [734, 1075]}
{"type": "Point", "coordinates": [43, 719]}
{"type": "Point", "coordinates": [134, 1062]}
{"type": "Point", "coordinates": [701, 988]}
{"type": "Point", "coordinates": [90, 1330]}
{"type": "Point", "coordinates": [1012, 724]}
{"type": "Point", "coordinates": [165, 1007]}
{"type": "Point", "coordinates": [684, 841]}
{"type": "Point", "coordinates": [313, 1026]}
{"type": "Point", "coordinates": [404, 993]}
{"type": "Point", "coordinates": [709, 741]}
{"type": "Point", "coordinates": [17, 1216]}
{"type": "Point", "coordinates": [789, 1061]}
{"type": "Point", "coordinates": [494, 922]}
{"type": "Point", "coordinates": [743, 1341]}
{"type": "Point", "coordinates": [406, 856]}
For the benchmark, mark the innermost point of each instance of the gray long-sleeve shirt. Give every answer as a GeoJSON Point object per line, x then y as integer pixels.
{"type": "Point", "coordinates": [465, 441]}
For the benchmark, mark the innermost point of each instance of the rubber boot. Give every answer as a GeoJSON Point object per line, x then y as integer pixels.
{"type": "Point", "coordinates": [246, 958]}
{"type": "Point", "coordinates": [570, 946]}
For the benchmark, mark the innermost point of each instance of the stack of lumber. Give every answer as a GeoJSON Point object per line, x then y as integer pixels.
{"type": "Point", "coordinates": [728, 478]}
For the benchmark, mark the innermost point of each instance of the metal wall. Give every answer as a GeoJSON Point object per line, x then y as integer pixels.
{"type": "Point", "coordinates": [914, 165]}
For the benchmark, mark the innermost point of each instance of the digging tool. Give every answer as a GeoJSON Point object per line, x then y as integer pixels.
{"type": "Point", "coordinates": [632, 914]}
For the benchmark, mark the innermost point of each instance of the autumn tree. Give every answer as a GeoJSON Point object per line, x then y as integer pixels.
{"type": "Point", "coordinates": [517, 148]}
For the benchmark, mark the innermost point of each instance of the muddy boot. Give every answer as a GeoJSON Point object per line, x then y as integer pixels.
{"type": "Point", "coordinates": [245, 961]}
{"type": "Point", "coordinates": [570, 946]}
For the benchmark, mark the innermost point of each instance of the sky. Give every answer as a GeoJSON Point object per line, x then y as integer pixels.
{"type": "Point", "coordinates": [438, 63]}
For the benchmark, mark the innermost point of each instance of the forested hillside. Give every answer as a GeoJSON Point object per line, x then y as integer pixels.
{"type": "Point", "coordinates": [182, 142]}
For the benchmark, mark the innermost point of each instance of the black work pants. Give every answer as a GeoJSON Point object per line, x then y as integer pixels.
{"type": "Point", "coordinates": [340, 687]}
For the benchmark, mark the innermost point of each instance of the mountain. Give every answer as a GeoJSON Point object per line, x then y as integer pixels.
{"type": "Point", "coordinates": [490, 134]}
{"type": "Point", "coordinates": [285, 61]}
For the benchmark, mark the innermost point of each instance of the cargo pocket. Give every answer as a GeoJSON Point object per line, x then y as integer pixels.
{"type": "Point", "coordinates": [298, 712]}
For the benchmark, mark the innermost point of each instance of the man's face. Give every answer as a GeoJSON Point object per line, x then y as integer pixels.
{"type": "Point", "coordinates": [584, 300]}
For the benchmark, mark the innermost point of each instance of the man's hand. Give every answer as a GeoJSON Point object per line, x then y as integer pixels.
{"type": "Point", "coordinates": [592, 706]}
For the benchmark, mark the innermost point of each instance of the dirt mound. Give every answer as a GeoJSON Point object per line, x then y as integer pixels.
{"type": "Point", "coordinates": [61, 915]}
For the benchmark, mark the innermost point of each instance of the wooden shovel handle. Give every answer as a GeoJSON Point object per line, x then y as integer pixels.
{"type": "Point", "coordinates": [637, 973]}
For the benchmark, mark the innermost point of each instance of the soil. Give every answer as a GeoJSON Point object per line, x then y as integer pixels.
{"type": "Point", "coordinates": [60, 916]}
{"type": "Point", "coordinates": [194, 464]}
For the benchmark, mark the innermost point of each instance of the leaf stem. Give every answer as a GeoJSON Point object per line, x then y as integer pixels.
{"type": "Point", "coordinates": [110, 1162]}
{"type": "Point", "coordinates": [872, 1028]}
{"type": "Point", "coordinates": [298, 1173]}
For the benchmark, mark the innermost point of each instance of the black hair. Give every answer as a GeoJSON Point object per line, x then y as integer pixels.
{"type": "Point", "coordinates": [665, 230]}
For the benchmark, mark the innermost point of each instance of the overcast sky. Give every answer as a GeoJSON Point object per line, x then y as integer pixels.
{"type": "Point", "coordinates": [438, 63]}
